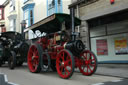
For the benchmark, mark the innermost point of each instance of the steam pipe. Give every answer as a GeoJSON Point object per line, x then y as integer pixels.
{"type": "Point", "coordinates": [72, 14]}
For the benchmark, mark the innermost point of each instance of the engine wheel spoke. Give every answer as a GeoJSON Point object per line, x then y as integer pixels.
{"type": "Point", "coordinates": [90, 62]}
{"type": "Point", "coordinates": [65, 65]}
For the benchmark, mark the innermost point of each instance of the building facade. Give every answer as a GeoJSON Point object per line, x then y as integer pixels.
{"type": "Point", "coordinates": [13, 15]}
{"type": "Point", "coordinates": [104, 28]}
{"type": "Point", "coordinates": [31, 11]}
{"type": "Point", "coordinates": [36, 10]}
{"type": "Point", "coordinates": [2, 21]}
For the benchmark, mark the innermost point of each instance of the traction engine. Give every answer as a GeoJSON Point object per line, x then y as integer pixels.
{"type": "Point", "coordinates": [59, 51]}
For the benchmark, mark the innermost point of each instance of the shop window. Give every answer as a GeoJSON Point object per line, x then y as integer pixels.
{"type": "Point", "coordinates": [102, 47]}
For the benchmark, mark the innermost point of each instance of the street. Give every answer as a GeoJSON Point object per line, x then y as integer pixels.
{"type": "Point", "coordinates": [22, 76]}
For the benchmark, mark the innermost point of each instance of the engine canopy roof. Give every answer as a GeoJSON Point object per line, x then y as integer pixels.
{"type": "Point", "coordinates": [53, 23]}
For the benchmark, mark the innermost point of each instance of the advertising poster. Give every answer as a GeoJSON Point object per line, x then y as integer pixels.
{"type": "Point", "coordinates": [102, 47]}
{"type": "Point", "coordinates": [121, 46]}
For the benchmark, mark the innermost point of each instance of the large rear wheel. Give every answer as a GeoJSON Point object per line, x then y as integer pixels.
{"type": "Point", "coordinates": [65, 64]}
{"type": "Point", "coordinates": [12, 60]}
{"type": "Point", "coordinates": [87, 63]}
{"type": "Point", "coordinates": [34, 55]}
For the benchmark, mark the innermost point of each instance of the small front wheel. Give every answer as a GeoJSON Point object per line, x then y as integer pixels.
{"type": "Point", "coordinates": [12, 60]}
{"type": "Point", "coordinates": [65, 64]}
{"type": "Point", "coordinates": [87, 63]}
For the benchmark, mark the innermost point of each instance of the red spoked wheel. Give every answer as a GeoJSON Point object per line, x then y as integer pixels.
{"type": "Point", "coordinates": [65, 64]}
{"type": "Point", "coordinates": [34, 55]}
{"type": "Point", "coordinates": [87, 63]}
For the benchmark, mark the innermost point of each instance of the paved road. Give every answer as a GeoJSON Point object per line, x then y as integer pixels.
{"type": "Point", "coordinates": [120, 70]}
{"type": "Point", "coordinates": [22, 76]}
{"type": "Point", "coordinates": [4, 81]}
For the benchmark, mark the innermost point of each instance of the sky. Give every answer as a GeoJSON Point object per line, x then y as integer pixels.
{"type": "Point", "coordinates": [2, 1]}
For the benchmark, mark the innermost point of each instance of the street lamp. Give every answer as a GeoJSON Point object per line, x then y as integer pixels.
{"type": "Point", "coordinates": [23, 26]}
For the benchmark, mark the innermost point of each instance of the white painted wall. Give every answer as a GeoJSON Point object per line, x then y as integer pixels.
{"type": "Point", "coordinates": [19, 15]}
{"type": "Point", "coordinates": [40, 9]}
{"type": "Point", "coordinates": [6, 17]}
{"type": "Point", "coordinates": [18, 11]}
{"type": "Point", "coordinates": [66, 3]}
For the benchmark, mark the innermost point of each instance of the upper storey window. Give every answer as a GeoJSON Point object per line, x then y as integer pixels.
{"type": "Point", "coordinates": [12, 5]}
{"type": "Point", "coordinates": [28, 12]}
{"type": "Point", "coordinates": [54, 6]}
{"type": "Point", "coordinates": [1, 13]}
{"type": "Point", "coordinates": [26, 1]}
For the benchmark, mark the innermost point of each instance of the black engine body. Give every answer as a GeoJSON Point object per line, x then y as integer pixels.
{"type": "Point", "coordinates": [76, 47]}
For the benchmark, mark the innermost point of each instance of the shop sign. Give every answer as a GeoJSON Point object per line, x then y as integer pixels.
{"type": "Point", "coordinates": [121, 46]}
{"type": "Point", "coordinates": [102, 47]}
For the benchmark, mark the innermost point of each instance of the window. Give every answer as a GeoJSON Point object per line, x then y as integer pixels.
{"type": "Point", "coordinates": [3, 13]}
{"type": "Point", "coordinates": [28, 10]}
{"type": "Point", "coordinates": [3, 29]}
{"type": "Point", "coordinates": [31, 17]}
{"type": "Point", "coordinates": [26, 1]}
{"type": "Point", "coordinates": [26, 17]}
{"type": "Point", "coordinates": [54, 6]}
{"type": "Point", "coordinates": [12, 24]}
{"type": "Point", "coordinates": [51, 7]}
{"type": "Point", "coordinates": [59, 6]}
{"type": "Point", "coordinates": [0, 13]}
{"type": "Point", "coordinates": [12, 5]}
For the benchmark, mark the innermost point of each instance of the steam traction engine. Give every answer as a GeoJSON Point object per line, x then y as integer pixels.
{"type": "Point", "coordinates": [13, 49]}
{"type": "Point", "coordinates": [59, 50]}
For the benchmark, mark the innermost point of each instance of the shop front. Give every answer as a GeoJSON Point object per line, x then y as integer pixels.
{"type": "Point", "coordinates": [109, 37]}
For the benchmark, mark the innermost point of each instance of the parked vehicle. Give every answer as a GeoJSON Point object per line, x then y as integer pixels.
{"type": "Point", "coordinates": [13, 49]}
{"type": "Point", "coordinates": [59, 48]}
